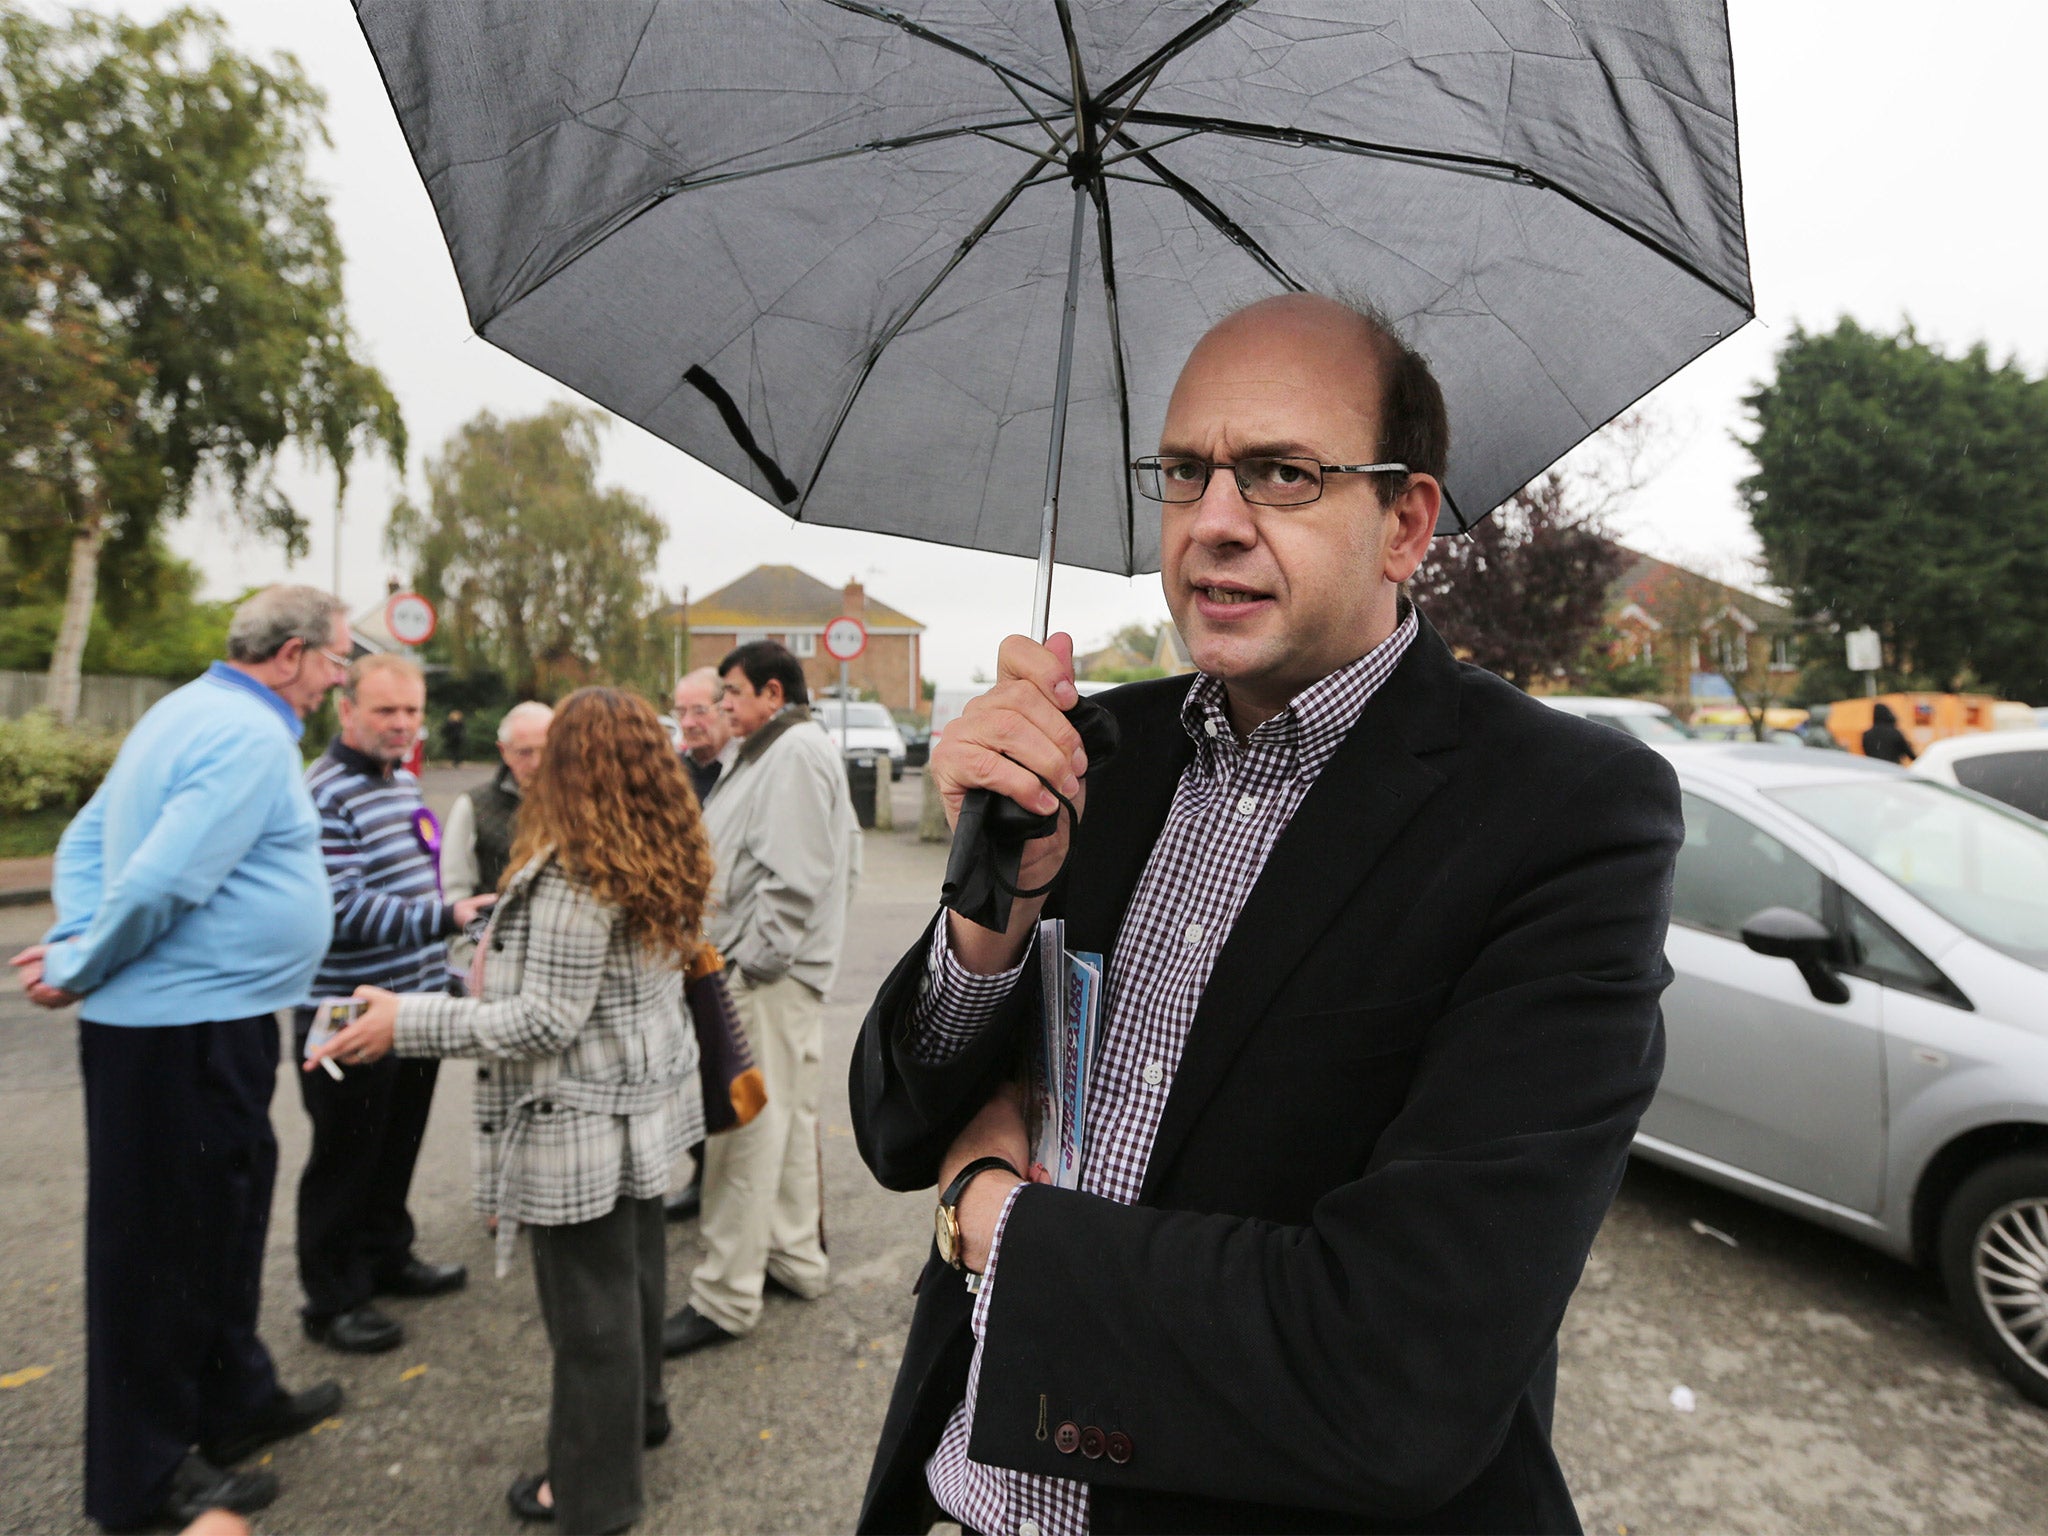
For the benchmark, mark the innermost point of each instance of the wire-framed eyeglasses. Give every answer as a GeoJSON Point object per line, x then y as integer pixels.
{"type": "Point", "coordinates": [1265, 480]}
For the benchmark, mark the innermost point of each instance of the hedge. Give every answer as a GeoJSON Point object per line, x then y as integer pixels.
{"type": "Point", "coordinates": [46, 766]}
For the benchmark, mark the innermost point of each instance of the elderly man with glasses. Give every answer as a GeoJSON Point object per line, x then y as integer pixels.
{"type": "Point", "coordinates": [1383, 943]}
{"type": "Point", "coordinates": [192, 904]}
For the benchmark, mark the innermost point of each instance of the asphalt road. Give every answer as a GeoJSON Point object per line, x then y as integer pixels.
{"type": "Point", "coordinates": [1830, 1391]}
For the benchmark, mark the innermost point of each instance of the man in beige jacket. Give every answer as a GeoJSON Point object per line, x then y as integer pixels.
{"type": "Point", "coordinates": [783, 830]}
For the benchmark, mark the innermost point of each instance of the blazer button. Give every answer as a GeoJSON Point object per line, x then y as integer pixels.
{"type": "Point", "coordinates": [1067, 1438]}
{"type": "Point", "coordinates": [498, 942]}
{"type": "Point", "coordinates": [543, 1108]}
{"type": "Point", "coordinates": [1093, 1443]}
{"type": "Point", "coordinates": [483, 1074]}
{"type": "Point", "coordinates": [1119, 1447]}
{"type": "Point", "coordinates": [488, 1129]}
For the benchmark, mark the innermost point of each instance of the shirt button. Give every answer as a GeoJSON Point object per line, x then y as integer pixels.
{"type": "Point", "coordinates": [1154, 1074]}
{"type": "Point", "coordinates": [1027, 1528]}
{"type": "Point", "coordinates": [1209, 726]}
{"type": "Point", "coordinates": [1246, 804]}
{"type": "Point", "coordinates": [1194, 935]}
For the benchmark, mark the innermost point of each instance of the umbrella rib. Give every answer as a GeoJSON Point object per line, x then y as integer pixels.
{"type": "Point", "coordinates": [1474, 165]}
{"type": "Point", "coordinates": [925, 34]}
{"type": "Point", "coordinates": [1185, 39]}
{"type": "Point", "coordinates": [967, 243]}
{"type": "Point", "coordinates": [686, 184]}
{"type": "Point", "coordinates": [1050, 132]}
{"type": "Point", "coordinates": [1100, 194]}
{"type": "Point", "coordinates": [1225, 225]}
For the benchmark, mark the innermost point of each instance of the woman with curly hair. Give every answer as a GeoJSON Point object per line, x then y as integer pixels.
{"type": "Point", "coordinates": [588, 1088]}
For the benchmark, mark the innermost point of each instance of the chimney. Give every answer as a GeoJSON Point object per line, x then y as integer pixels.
{"type": "Point", "coordinates": [855, 601]}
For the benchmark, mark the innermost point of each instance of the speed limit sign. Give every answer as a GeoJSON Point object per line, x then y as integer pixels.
{"type": "Point", "coordinates": [845, 638]}
{"type": "Point", "coordinates": [410, 618]}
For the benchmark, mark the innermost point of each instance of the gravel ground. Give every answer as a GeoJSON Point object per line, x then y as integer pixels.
{"type": "Point", "coordinates": [1830, 1391]}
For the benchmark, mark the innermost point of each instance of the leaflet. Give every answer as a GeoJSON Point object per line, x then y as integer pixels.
{"type": "Point", "coordinates": [1068, 1046]}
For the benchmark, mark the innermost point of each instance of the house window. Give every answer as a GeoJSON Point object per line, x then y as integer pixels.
{"type": "Point", "coordinates": [1731, 651]}
{"type": "Point", "coordinates": [1781, 654]}
{"type": "Point", "coordinates": [749, 636]}
{"type": "Point", "coordinates": [804, 645]}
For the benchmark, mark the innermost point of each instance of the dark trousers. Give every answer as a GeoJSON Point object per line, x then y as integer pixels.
{"type": "Point", "coordinates": [602, 1288]}
{"type": "Point", "coordinates": [354, 1229]}
{"type": "Point", "coordinates": [180, 1165]}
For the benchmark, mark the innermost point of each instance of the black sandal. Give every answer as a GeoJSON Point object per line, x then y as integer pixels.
{"type": "Point", "coordinates": [524, 1497]}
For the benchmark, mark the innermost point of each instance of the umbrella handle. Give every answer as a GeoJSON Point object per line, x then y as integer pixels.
{"type": "Point", "coordinates": [989, 838]}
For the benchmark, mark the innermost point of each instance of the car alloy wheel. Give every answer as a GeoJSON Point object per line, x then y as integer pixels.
{"type": "Point", "coordinates": [1993, 1247]}
{"type": "Point", "coordinates": [2012, 1277]}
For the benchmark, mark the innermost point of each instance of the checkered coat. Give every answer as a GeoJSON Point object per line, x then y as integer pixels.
{"type": "Point", "coordinates": [588, 1089]}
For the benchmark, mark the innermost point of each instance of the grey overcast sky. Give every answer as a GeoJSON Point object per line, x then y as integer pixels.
{"type": "Point", "coordinates": [1889, 168]}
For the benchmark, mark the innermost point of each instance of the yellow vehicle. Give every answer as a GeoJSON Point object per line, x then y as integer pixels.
{"type": "Point", "coordinates": [1924, 717]}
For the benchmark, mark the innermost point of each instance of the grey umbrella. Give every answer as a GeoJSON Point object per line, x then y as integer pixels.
{"type": "Point", "coordinates": [841, 251]}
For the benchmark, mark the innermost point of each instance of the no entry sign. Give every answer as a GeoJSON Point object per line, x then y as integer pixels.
{"type": "Point", "coordinates": [845, 638]}
{"type": "Point", "coordinates": [410, 618]}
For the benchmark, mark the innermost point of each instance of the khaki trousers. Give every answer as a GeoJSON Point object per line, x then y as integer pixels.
{"type": "Point", "coordinates": [762, 1201]}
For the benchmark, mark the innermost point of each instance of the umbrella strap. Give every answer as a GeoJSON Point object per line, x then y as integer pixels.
{"type": "Point", "coordinates": [1018, 893]}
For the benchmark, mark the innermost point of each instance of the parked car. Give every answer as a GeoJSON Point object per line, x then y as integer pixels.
{"type": "Point", "coordinates": [2006, 765]}
{"type": "Point", "coordinates": [860, 728]}
{"type": "Point", "coordinates": [1642, 718]}
{"type": "Point", "coordinates": [1858, 1029]}
{"type": "Point", "coordinates": [917, 745]}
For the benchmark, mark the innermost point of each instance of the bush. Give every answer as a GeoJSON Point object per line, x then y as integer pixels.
{"type": "Point", "coordinates": [44, 766]}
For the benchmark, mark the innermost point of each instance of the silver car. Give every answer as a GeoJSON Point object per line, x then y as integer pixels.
{"type": "Point", "coordinates": [1858, 1032]}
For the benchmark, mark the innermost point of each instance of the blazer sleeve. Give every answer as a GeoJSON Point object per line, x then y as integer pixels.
{"type": "Point", "coordinates": [1372, 1359]}
{"type": "Point", "coordinates": [906, 1108]}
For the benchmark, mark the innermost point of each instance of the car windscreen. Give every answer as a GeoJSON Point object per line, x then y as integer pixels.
{"type": "Point", "coordinates": [2017, 778]}
{"type": "Point", "coordinates": [1982, 868]}
{"type": "Point", "coordinates": [858, 716]}
{"type": "Point", "coordinates": [1661, 729]}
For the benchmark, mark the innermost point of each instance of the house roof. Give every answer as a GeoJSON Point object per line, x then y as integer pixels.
{"type": "Point", "coordinates": [1643, 577]}
{"type": "Point", "coordinates": [772, 595]}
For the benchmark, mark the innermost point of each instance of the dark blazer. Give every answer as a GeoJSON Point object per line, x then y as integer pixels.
{"type": "Point", "coordinates": [1401, 1114]}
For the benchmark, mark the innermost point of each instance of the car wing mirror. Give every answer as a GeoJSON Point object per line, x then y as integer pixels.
{"type": "Point", "coordinates": [1785, 934]}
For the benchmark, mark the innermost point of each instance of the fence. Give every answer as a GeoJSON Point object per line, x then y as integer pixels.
{"type": "Point", "coordinates": [111, 703]}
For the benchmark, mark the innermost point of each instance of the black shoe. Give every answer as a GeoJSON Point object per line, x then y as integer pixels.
{"type": "Point", "coordinates": [419, 1278]}
{"type": "Point", "coordinates": [657, 1428]}
{"type": "Point", "coordinates": [289, 1413]}
{"type": "Point", "coordinates": [524, 1497]}
{"type": "Point", "coordinates": [198, 1485]}
{"type": "Point", "coordinates": [359, 1331]}
{"type": "Point", "coordinates": [684, 1203]}
{"type": "Point", "coordinates": [691, 1330]}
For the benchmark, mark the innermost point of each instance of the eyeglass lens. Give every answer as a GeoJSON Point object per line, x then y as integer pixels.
{"type": "Point", "coordinates": [1265, 481]}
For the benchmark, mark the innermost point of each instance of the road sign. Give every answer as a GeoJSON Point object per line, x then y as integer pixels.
{"type": "Point", "coordinates": [410, 618]}
{"type": "Point", "coordinates": [1866, 652]}
{"type": "Point", "coordinates": [846, 638]}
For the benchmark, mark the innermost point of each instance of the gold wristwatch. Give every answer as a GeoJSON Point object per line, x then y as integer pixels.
{"type": "Point", "coordinates": [946, 1220]}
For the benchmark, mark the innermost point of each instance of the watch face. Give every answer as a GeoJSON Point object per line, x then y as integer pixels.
{"type": "Point", "coordinates": [946, 1232]}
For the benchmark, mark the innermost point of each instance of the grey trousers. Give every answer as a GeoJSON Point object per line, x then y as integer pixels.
{"type": "Point", "coordinates": [601, 1286]}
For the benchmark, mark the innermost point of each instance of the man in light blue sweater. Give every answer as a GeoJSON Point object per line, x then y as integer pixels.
{"type": "Point", "coordinates": [192, 904]}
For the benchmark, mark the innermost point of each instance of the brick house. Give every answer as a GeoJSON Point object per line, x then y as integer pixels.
{"type": "Point", "coordinates": [1698, 631]}
{"type": "Point", "coordinates": [780, 602]}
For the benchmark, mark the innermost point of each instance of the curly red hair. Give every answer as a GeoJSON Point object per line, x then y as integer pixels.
{"type": "Point", "coordinates": [610, 796]}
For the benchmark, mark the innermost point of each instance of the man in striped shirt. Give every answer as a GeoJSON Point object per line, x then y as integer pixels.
{"type": "Point", "coordinates": [391, 930]}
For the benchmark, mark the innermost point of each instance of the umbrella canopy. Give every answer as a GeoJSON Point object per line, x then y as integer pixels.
{"type": "Point", "coordinates": [827, 246]}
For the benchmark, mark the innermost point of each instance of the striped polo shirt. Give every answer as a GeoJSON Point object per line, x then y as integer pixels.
{"type": "Point", "coordinates": [391, 926]}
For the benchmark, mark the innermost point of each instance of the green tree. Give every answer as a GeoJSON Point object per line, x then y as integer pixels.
{"type": "Point", "coordinates": [173, 293]}
{"type": "Point", "coordinates": [1905, 489]}
{"type": "Point", "coordinates": [540, 573]}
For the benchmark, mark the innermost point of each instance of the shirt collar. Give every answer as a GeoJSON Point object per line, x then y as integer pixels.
{"type": "Point", "coordinates": [221, 672]}
{"type": "Point", "coordinates": [1306, 733]}
{"type": "Point", "coordinates": [361, 762]}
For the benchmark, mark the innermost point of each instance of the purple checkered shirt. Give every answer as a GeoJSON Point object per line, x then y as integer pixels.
{"type": "Point", "coordinates": [1230, 807]}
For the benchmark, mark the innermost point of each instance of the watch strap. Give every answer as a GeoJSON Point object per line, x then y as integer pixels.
{"type": "Point", "coordinates": [951, 1198]}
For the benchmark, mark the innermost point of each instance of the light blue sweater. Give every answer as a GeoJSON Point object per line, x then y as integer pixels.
{"type": "Point", "coordinates": [190, 888]}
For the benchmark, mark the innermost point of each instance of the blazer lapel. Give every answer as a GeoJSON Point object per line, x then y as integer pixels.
{"type": "Point", "coordinates": [1364, 796]}
{"type": "Point", "coordinates": [1125, 812]}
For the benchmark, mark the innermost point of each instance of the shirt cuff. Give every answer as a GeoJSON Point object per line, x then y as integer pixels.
{"type": "Point", "coordinates": [954, 1004]}
{"type": "Point", "coordinates": [62, 962]}
{"type": "Point", "coordinates": [978, 1319]}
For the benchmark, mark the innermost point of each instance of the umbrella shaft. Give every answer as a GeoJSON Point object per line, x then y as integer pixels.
{"type": "Point", "coordinates": [1048, 531]}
